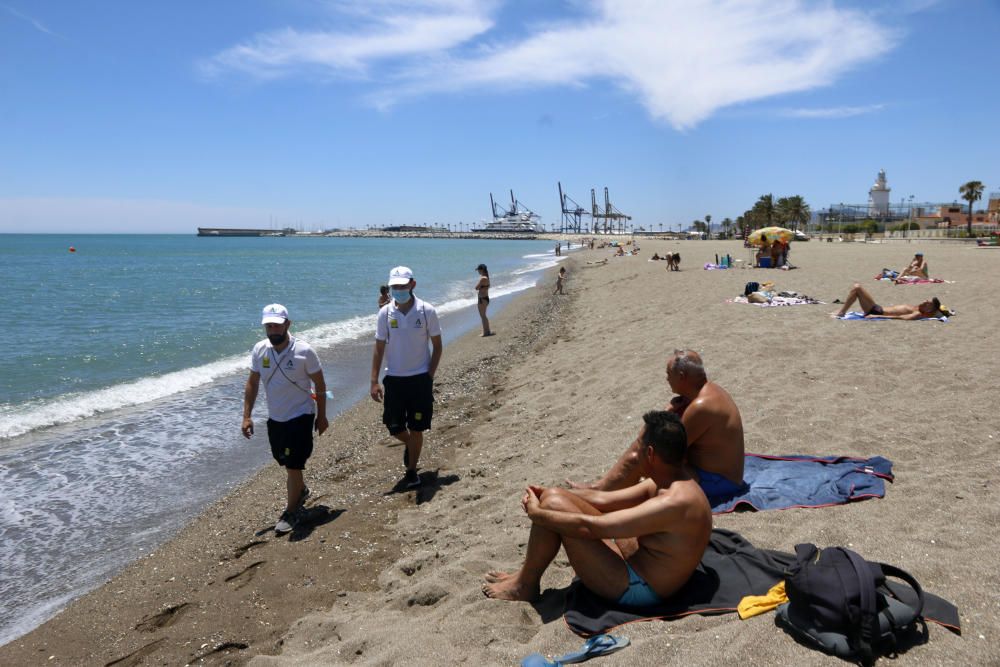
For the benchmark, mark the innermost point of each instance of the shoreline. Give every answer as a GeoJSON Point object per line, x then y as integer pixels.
{"type": "Point", "coordinates": [111, 622]}
{"type": "Point", "coordinates": [394, 578]}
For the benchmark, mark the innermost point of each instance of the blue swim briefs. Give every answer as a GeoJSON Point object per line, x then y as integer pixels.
{"type": "Point", "coordinates": [716, 486]}
{"type": "Point", "coordinates": [638, 593]}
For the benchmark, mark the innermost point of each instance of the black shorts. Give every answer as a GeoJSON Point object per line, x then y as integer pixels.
{"type": "Point", "coordinates": [875, 310]}
{"type": "Point", "coordinates": [408, 403]}
{"type": "Point", "coordinates": [291, 441]}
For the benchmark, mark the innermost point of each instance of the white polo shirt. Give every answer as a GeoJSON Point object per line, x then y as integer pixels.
{"type": "Point", "coordinates": [407, 337]}
{"type": "Point", "coordinates": [285, 377]}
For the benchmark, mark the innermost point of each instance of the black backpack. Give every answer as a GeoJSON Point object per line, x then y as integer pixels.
{"type": "Point", "coordinates": [838, 602]}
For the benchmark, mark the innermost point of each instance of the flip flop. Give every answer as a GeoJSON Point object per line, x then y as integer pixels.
{"type": "Point", "coordinates": [597, 645]}
{"type": "Point", "coordinates": [538, 660]}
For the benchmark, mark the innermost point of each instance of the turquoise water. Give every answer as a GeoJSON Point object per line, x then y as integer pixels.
{"type": "Point", "coordinates": [122, 390]}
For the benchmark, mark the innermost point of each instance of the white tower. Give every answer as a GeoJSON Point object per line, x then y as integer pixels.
{"type": "Point", "coordinates": [878, 197]}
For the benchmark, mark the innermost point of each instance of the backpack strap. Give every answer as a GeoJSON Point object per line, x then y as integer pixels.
{"type": "Point", "coordinates": [893, 571]}
{"type": "Point", "coordinates": [869, 617]}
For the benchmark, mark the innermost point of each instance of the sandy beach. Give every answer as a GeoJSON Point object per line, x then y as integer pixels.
{"type": "Point", "coordinates": [385, 577]}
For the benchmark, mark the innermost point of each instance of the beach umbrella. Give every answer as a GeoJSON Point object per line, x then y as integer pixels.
{"type": "Point", "coordinates": [770, 235]}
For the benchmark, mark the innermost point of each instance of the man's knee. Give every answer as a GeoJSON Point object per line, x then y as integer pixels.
{"type": "Point", "coordinates": [554, 498]}
{"type": "Point", "coordinates": [856, 287]}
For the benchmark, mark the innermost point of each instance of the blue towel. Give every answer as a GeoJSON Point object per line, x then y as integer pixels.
{"type": "Point", "coordinates": [780, 482]}
{"type": "Point", "coordinates": [854, 315]}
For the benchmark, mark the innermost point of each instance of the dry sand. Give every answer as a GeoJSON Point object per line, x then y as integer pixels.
{"type": "Point", "coordinates": [394, 578]}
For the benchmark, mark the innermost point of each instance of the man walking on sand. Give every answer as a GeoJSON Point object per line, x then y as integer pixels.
{"type": "Point", "coordinates": [404, 328]}
{"type": "Point", "coordinates": [714, 430]}
{"type": "Point", "coordinates": [296, 404]}
{"type": "Point", "coordinates": [636, 546]}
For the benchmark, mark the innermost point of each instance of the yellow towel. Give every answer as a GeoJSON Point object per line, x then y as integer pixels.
{"type": "Point", "coordinates": [753, 605]}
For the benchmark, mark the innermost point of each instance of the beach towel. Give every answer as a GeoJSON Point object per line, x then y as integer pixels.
{"type": "Point", "coordinates": [781, 482]}
{"type": "Point", "coordinates": [779, 301]}
{"type": "Point", "coordinates": [909, 280]}
{"type": "Point", "coordinates": [731, 569]}
{"type": "Point", "coordinates": [856, 315]}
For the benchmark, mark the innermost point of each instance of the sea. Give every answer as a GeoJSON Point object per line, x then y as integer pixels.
{"type": "Point", "coordinates": [121, 394]}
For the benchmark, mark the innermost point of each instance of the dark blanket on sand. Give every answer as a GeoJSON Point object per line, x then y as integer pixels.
{"type": "Point", "coordinates": [780, 482]}
{"type": "Point", "coordinates": [731, 569]}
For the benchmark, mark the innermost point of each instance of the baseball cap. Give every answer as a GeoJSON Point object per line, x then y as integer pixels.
{"type": "Point", "coordinates": [401, 275]}
{"type": "Point", "coordinates": [918, 254]}
{"type": "Point", "coordinates": [274, 314]}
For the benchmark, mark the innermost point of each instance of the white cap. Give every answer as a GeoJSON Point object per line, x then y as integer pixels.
{"type": "Point", "coordinates": [274, 314]}
{"type": "Point", "coordinates": [401, 275]}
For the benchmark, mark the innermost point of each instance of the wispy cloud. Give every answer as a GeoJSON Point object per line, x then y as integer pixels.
{"type": "Point", "coordinates": [681, 61]}
{"type": "Point", "coordinates": [24, 17]}
{"type": "Point", "coordinates": [832, 112]}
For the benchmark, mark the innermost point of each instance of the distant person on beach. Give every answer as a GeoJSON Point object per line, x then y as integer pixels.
{"type": "Point", "coordinates": [296, 404]}
{"type": "Point", "coordinates": [929, 308]}
{"type": "Point", "coordinates": [559, 280]}
{"type": "Point", "coordinates": [383, 296]}
{"type": "Point", "coordinates": [675, 264]}
{"type": "Point", "coordinates": [483, 301]}
{"type": "Point", "coordinates": [558, 249]}
{"type": "Point", "coordinates": [917, 268]}
{"type": "Point", "coordinates": [714, 429]}
{"type": "Point", "coordinates": [408, 337]}
{"type": "Point", "coordinates": [636, 546]}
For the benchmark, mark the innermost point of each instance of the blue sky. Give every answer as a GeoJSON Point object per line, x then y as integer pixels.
{"type": "Point", "coordinates": [122, 116]}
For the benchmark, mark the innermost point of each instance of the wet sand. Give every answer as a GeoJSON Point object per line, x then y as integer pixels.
{"type": "Point", "coordinates": [385, 577]}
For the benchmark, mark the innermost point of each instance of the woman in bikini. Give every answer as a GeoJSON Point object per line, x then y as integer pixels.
{"type": "Point", "coordinates": [483, 290]}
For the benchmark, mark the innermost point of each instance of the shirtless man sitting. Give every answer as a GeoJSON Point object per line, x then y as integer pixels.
{"type": "Point", "coordinates": [929, 308]}
{"type": "Point", "coordinates": [714, 431]}
{"type": "Point", "coordinates": [917, 268]}
{"type": "Point", "coordinates": [636, 546]}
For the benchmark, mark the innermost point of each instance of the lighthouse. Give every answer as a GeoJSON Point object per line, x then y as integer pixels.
{"type": "Point", "coordinates": [878, 197]}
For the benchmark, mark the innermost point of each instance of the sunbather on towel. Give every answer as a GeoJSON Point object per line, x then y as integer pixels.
{"type": "Point", "coordinates": [929, 308]}
{"type": "Point", "coordinates": [636, 546]}
{"type": "Point", "coordinates": [714, 429]}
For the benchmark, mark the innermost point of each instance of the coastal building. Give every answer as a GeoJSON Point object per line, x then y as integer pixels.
{"type": "Point", "coordinates": [878, 197]}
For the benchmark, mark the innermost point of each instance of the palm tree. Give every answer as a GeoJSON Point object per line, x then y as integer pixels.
{"type": "Point", "coordinates": [971, 192]}
{"type": "Point", "coordinates": [764, 210]}
{"type": "Point", "coordinates": [708, 225]}
{"type": "Point", "coordinates": [726, 224]}
{"type": "Point", "coordinates": [794, 210]}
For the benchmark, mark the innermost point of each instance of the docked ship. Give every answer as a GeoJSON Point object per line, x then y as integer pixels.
{"type": "Point", "coordinates": [518, 219]}
{"type": "Point", "coordinates": [228, 231]}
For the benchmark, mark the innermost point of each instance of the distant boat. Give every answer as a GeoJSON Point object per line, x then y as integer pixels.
{"type": "Point", "coordinates": [518, 219]}
{"type": "Point", "coordinates": [224, 231]}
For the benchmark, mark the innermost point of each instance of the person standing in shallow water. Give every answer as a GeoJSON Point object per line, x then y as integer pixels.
{"type": "Point", "coordinates": [289, 366]}
{"type": "Point", "coordinates": [483, 302]}
{"type": "Point", "coordinates": [383, 295]}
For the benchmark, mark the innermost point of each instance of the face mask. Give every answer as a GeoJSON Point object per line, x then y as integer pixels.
{"type": "Point", "coordinates": [277, 339]}
{"type": "Point", "coordinates": [401, 295]}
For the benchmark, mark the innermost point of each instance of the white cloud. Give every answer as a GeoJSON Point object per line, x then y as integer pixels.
{"type": "Point", "coordinates": [681, 60]}
{"type": "Point", "coordinates": [833, 112]}
{"type": "Point", "coordinates": [34, 22]}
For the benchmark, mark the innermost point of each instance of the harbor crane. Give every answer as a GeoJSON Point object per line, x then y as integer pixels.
{"type": "Point", "coordinates": [572, 214]}
{"type": "Point", "coordinates": [611, 220]}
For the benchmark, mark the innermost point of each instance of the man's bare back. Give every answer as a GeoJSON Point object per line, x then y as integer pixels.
{"type": "Point", "coordinates": [715, 433]}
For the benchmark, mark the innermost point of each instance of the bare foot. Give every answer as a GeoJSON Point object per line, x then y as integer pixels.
{"type": "Point", "coordinates": [836, 316]}
{"type": "Point", "coordinates": [508, 586]}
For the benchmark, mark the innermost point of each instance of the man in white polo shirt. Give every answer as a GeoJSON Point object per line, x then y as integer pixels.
{"type": "Point", "coordinates": [290, 369]}
{"type": "Point", "coordinates": [404, 328]}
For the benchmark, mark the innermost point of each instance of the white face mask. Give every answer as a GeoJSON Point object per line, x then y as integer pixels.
{"type": "Point", "coordinates": [401, 295]}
